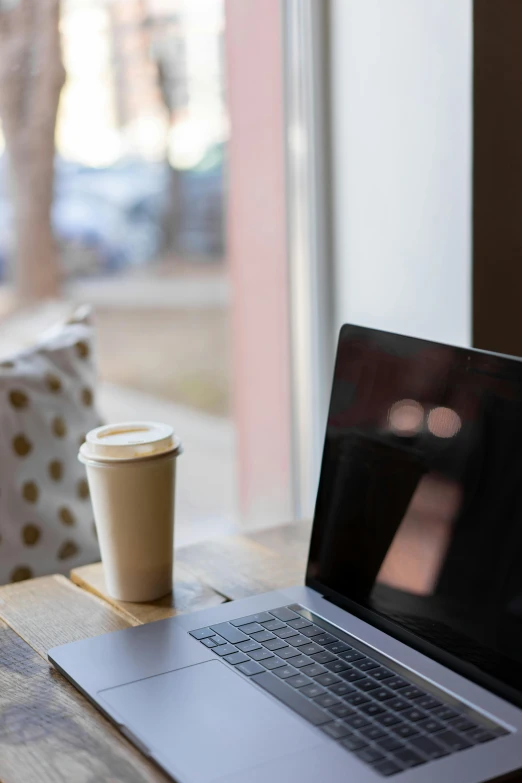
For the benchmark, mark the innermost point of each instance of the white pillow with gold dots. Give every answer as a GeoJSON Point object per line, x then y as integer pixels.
{"type": "Point", "coordinates": [46, 408]}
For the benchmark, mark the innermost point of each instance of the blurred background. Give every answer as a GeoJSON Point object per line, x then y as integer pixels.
{"type": "Point", "coordinates": [228, 181]}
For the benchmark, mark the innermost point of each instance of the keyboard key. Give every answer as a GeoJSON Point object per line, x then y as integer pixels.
{"type": "Point", "coordinates": [327, 700]}
{"type": "Point", "coordinates": [298, 681]}
{"type": "Point", "coordinates": [235, 658]}
{"type": "Point", "coordinates": [260, 654]}
{"type": "Point", "coordinates": [366, 685]}
{"type": "Point", "coordinates": [428, 747]}
{"type": "Point", "coordinates": [249, 668]}
{"type": "Point", "coordinates": [248, 646]}
{"type": "Point", "coordinates": [463, 724]}
{"type": "Point", "coordinates": [337, 666]}
{"type": "Point", "coordinates": [404, 730]}
{"type": "Point", "coordinates": [342, 711]}
{"type": "Point", "coordinates": [273, 662]}
{"type": "Point", "coordinates": [324, 638]}
{"type": "Point", "coordinates": [335, 730]}
{"type": "Point", "coordinates": [388, 719]}
{"type": "Point", "coordinates": [389, 744]}
{"type": "Point", "coordinates": [313, 690]}
{"type": "Point", "coordinates": [428, 703]}
{"type": "Point", "coordinates": [444, 713]}
{"type": "Point", "coordinates": [353, 742]}
{"type": "Point", "coordinates": [414, 715]}
{"type": "Point", "coordinates": [352, 675]}
{"type": "Point", "coordinates": [373, 732]}
{"type": "Point", "coordinates": [273, 625]}
{"type": "Point", "coordinates": [395, 683]}
{"type": "Point", "coordinates": [252, 628]}
{"type": "Point", "coordinates": [480, 735]}
{"type": "Point", "coordinates": [289, 652]}
{"type": "Point", "coordinates": [359, 663]}
{"type": "Point", "coordinates": [299, 623]}
{"type": "Point", "coordinates": [329, 679]}
{"type": "Point", "coordinates": [297, 641]}
{"type": "Point", "coordinates": [356, 699]}
{"type": "Point", "coordinates": [397, 704]}
{"type": "Point", "coordinates": [263, 636]}
{"type": "Point", "coordinates": [351, 655]}
{"type": "Point", "coordinates": [366, 665]}
{"type": "Point", "coordinates": [285, 632]}
{"type": "Point", "coordinates": [370, 755]}
{"type": "Point", "coordinates": [218, 639]}
{"type": "Point", "coordinates": [310, 649]}
{"type": "Point", "coordinates": [338, 647]}
{"type": "Point", "coordinates": [292, 698]}
{"type": "Point", "coordinates": [224, 649]}
{"type": "Point", "coordinates": [323, 657]}
{"type": "Point", "coordinates": [411, 692]}
{"type": "Point", "coordinates": [314, 670]}
{"type": "Point", "coordinates": [284, 614]}
{"type": "Point", "coordinates": [340, 688]}
{"type": "Point", "coordinates": [386, 768]}
{"type": "Point", "coordinates": [285, 671]}
{"type": "Point", "coordinates": [312, 630]}
{"type": "Point", "coordinates": [408, 758]}
{"type": "Point", "coordinates": [431, 725]}
{"type": "Point", "coordinates": [275, 644]}
{"type": "Point", "coordinates": [372, 709]}
{"type": "Point", "coordinates": [300, 661]}
{"type": "Point", "coordinates": [381, 694]}
{"type": "Point", "coordinates": [202, 633]}
{"type": "Point", "coordinates": [382, 673]}
{"type": "Point", "coordinates": [208, 642]}
{"type": "Point", "coordinates": [229, 632]}
{"type": "Point", "coordinates": [357, 721]}
{"type": "Point", "coordinates": [453, 741]}
{"type": "Point", "coordinates": [262, 617]}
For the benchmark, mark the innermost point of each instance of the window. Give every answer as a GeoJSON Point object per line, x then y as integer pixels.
{"type": "Point", "coordinates": [142, 170]}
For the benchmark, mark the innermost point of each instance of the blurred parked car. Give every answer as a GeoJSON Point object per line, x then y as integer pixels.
{"type": "Point", "coordinates": [108, 219]}
{"type": "Point", "coordinates": [202, 211]}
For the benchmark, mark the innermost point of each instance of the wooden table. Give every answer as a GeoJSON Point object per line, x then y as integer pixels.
{"type": "Point", "coordinates": [48, 731]}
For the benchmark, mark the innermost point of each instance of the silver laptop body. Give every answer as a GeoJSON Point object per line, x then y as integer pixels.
{"type": "Point", "coordinates": [401, 658]}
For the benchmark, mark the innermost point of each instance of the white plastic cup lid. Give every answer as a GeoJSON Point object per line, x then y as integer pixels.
{"type": "Point", "coordinates": [129, 440]}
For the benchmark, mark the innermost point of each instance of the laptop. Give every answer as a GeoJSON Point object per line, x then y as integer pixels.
{"type": "Point", "coordinates": [401, 656]}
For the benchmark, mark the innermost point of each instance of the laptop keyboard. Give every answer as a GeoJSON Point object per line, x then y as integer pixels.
{"type": "Point", "coordinates": [388, 717]}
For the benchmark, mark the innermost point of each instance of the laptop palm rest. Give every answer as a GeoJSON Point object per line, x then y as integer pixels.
{"type": "Point", "coordinates": [207, 722]}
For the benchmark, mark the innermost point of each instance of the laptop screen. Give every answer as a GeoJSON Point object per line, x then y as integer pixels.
{"type": "Point", "coordinates": [419, 510]}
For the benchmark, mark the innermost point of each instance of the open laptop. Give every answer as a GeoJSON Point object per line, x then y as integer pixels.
{"type": "Point", "coordinates": [402, 655]}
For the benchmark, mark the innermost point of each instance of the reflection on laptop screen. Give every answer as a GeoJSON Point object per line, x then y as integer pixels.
{"type": "Point", "coordinates": [419, 510]}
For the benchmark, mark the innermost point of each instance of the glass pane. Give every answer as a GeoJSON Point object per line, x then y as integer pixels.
{"type": "Point", "coordinates": [138, 116]}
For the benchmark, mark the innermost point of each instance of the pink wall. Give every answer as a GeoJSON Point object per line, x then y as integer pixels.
{"type": "Point", "coordinates": [257, 254]}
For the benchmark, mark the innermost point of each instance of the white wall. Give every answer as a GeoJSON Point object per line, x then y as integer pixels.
{"type": "Point", "coordinates": [401, 72]}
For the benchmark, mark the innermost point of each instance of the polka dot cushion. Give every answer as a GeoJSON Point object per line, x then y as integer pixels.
{"type": "Point", "coordinates": [46, 407]}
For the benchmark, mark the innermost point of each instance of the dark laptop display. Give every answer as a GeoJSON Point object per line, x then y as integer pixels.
{"type": "Point", "coordinates": [419, 510]}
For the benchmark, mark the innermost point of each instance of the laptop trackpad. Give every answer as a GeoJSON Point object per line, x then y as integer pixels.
{"type": "Point", "coordinates": [205, 721]}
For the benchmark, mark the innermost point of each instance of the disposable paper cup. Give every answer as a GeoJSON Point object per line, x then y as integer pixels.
{"type": "Point", "coordinates": [131, 469]}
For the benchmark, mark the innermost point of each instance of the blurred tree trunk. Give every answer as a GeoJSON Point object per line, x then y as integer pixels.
{"type": "Point", "coordinates": [31, 79]}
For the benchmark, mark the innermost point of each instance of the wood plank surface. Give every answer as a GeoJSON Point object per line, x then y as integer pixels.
{"type": "Point", "coordinates": [237, 566]}
{"type": "Point", "coordinates": [51, 610]}
{"type": "Point", "coordinates": [211, 572]}
{"type": "Point", "coordinates": [189, 594]}
{"type": "Point", "coordinates": [48, 732]}
{"type": "Point", "coordinates": [291, 540]}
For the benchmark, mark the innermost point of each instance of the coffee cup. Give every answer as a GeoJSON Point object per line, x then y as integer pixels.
{"type": "Point", "coordinates": [131, 470]}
